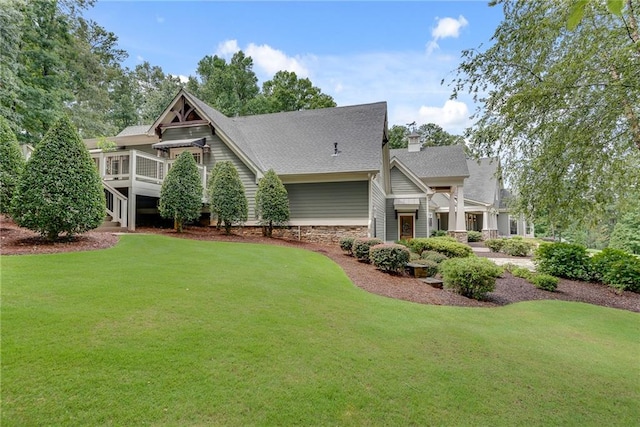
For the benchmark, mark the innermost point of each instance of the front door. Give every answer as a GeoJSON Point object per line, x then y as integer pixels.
{"type": "Point", "coordinates": [406, 227]}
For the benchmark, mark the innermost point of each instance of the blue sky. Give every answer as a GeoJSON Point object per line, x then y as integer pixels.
{"type": "Point", "coordinates": [357, 52]}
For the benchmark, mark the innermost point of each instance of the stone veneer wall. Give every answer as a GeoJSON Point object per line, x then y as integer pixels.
{"type": "Point", "coordinates": [489, 234]}
{"type": "Point", "coordinates": [312, 234]}
{"type": "Point", "coordinates": [460, 236]}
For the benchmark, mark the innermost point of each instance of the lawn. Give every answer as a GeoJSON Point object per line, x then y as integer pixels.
{"type": "Point", "coordinates": [165, 331]}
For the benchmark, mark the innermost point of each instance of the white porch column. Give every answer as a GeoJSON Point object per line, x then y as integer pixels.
{"type": "Point", "coordinates": [485, 220]}
{"type": "Point", "coordinates": [460, 216]}
{"type": "Point", "coordinates": [452, 209]}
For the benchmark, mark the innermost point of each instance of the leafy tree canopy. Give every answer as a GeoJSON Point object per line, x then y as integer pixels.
{"type": "Point", "coordinates": [561, 108]}
{"type": "Point", "coordinates": [431, 135]}
{"type": "Point", "coordinates": [11, 165]}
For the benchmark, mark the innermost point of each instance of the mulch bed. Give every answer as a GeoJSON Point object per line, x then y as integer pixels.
{"type": "Point", "coordinates": [509, 289]}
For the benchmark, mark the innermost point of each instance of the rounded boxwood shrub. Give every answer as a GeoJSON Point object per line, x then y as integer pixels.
{"type": "Point", "coordinates": [563, 260]}
{"type": "Point", "coordinates": [516, 247]}
{"type": "Point", "coordinates": [474, 236]}
{"type": "Point", "coordinates": [545, 282]}
{"type": "Point", "coordinates": [522, 273]}
{"type": "Point", "coordinates": [495, 245]}
{"type": "Point", "coordinates": [617, 269]}
{"type": "Point", "coordinates": [445, 245]}
{"type": "Point", "coordinates": [346, 244]}
{"type": "Point", "coordinates": [439, 233]}
{"type": "Point", "coordinates": [472, 277]}
{"type": "Point", "coordinates": [434, 256]}
{"type": "Point", "coordinates": [389, 258]}
{"type": "Point", "coordinates": [361, 247]}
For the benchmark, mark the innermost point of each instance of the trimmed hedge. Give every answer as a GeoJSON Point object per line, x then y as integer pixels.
{"type": "Point", "coordinates": [445, 245]}
{"type": "Point", "coordinates": [563, 260]}
{"type": "Point", "coordinates": [361, 248]}
{"type": "Point", "coordinates": [545, 282]}
{"type": "Point", "coordinates": [514, 246]}
{"type": "Point", "coordinates": [617, 269]}
{"type": "Point", "coordinates": [389, 258]}
{"type": "Point", "coordinates": [346, 244]}
{"type": "Point", "coordinates": [472, 277]}
{"type": "Point", "coordinates": [434, 256]}
{"type": "Point", "coordinates": [474, 236]}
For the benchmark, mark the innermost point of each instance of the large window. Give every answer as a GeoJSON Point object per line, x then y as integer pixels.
{"type": "Point", "coordinates": [196, 151]}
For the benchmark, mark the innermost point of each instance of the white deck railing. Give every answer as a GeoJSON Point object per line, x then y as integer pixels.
{"type": "Point", "coordinates": [137, 166]}
{"type": "Point", "coordinates": [116, 205]}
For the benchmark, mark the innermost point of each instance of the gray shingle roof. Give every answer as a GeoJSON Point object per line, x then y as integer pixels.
{"type": "Point", "coordinates": [302, 142]}
{"type": "Point", "coordinates": [434, 162]}
{"type": "Point", "coordinates": [134, 130]}
{"type": "Point", "coordinates": [482, 183]}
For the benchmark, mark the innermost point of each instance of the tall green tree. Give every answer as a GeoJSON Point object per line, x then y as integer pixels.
{"type": "Point", "coordinates": [227, 87]}
{"type": "Point", "coordinates": [272, 203]}
{"type": "Point", "coordinates": [60, 190]}
{"type": "Point", "coordinates": [286, 92]}
{"type": "Point", "coordinates": [431, 135]}
{"type": "Point", "coordinates": [561, 109]}
{"type": "Point", "coordinates": [11, 165]}
{"type": "Point", "coordinates": [181, 192]}
{"type": "Point", "coordinates": [154, 90]}
{"type": "Point", "coordinates": [228, 199]}
{"type": "Point", "coordinates": [626, 233]}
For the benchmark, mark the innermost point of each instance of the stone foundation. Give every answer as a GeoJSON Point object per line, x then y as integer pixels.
{"type": "Point", "coordinates": [460, 236]}
{"type": "Point", "coordinates": [312, 234]}
{"type": "Point", "coordinates": [489, 234]}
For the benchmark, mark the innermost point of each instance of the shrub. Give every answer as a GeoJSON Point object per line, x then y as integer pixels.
{"type": "Point", "coordinates": [617, 269]}
{"type": "Point", "coordinates": [516, 247]}
{"type": "Point", "coordinates": [361, 248]}
{"type": "Point", "coordinates": [346, 244]}
{"type": "Point", "coordinates": [439, 233]}
{"type": "Point", "coordinates": [403, 242]}
{"type": "Point", "coordinates": [11, 165]}
{"type": "Point", "coordinates": [495, 245]}
{"type": "Point", "coordinates": [472, 277]}
{"type": "Point", "coordinates": [272, 203]}
{"type": "Point", "coordinates": [60, 189]}
{"type": "Point", "coordinates": [181, 192]}
{"type": "Point", "coordinates": [563, 260]}
{"type": "Point", "coordinates": [522, 273]}
{"type": "Point", "coordinates": [434, 256]}
{"type": "Point", "coordinates": [445, 245]}
{"type": "Point", "coordinates": [389, 258]}
{"type": "Point", "coordinates": [431, 267]}
{"type": "Point", "coordinates": [413, 256]}
{"type": "Point", "coordinates": [474, 236]}
{"type": "Point", "coordinates": [227, 196]}
{"type": "Point", "coordinates": [545, 282]}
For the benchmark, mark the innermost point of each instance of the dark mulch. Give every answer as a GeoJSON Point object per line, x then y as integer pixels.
{"type": "Point", "coordinates": [509, 289]}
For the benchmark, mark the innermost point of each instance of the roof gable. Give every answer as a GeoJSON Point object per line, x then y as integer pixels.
{"type": "Point", "coordinates": [435, 162]}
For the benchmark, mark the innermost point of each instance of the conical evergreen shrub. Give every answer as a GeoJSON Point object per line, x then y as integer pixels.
{"type": "Point", "coordinates": [11, 165]}
{"type": "Point", "coordinates": [181, 193]}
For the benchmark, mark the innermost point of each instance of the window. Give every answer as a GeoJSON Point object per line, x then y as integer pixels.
{"type": "Point", "coordinates": [195, 151]}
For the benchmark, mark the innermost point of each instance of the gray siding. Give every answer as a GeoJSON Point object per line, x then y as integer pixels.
{"type": "Point", "coordinates": [379, 211]}
{"type": "Point", "coordinates": [329, 200]}
{"type": "Point", "coordinates": [219, 152]}
{"type": "Point", "coordinates": [420, 222]}
{"type": "Point", "coordinates": [401, 184]}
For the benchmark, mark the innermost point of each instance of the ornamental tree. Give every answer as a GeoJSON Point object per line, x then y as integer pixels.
{"type": "Point", "coordinates": [272, 203]}
{"type": "Point", "coordinates": [181, 192]}
{"type": "Point", "coordinates": [227, 196]}
{"type": "Point", "coordinates": [60, 190]}
{"type": "Point", "coordinates": [11, 165]}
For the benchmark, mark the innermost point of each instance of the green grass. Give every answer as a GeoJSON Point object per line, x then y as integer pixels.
{"type": "Point", "coordinates": [164, 331]}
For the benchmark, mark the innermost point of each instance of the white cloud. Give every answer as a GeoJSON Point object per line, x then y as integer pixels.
{"type": "Point", "coordinates": [183, 78]}
{"type": "Point", "coordinates": [452, 115]}
{"type": "Point", "coordinates": [446, 28]}
{"type": "Point", "coordinates": [273, 60]}
{"type": "Point", "coordinates": [227, 48]}
{"type": "Point", "coordinates": [140, 58]}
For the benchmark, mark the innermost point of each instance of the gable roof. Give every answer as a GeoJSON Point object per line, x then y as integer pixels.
{"type": "Point", "coordinates": [434, 162]}
{"type": "Point", "coordinates": [482, 184]}
{"type": "Point", "coordinates": [134, 130]}
{"type": "Point", "coordinates": [302, 142]}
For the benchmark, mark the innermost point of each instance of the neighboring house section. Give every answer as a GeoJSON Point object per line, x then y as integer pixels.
{"type": "Point", "coordinates": [335, 163]}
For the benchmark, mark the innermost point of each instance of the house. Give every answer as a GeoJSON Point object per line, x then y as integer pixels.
{"type": "Point", "coordinates": [340, 175]}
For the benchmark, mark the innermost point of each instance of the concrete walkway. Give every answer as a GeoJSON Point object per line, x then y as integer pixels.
{"type": "Point", "coordinates": [521, 262]}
